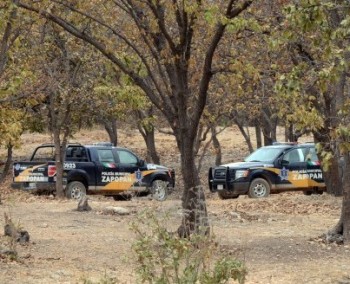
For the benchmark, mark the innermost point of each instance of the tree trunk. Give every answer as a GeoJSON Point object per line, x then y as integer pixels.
{"type": "Point", "coordinates": [332, 176]}
{"type": "Point", "coordinates": [342, 228]}
{"type": "Point", "coordinates": [269, 135]}
{"type": "Point", "coordinates": [346, 201]}
{"type": "Point", "coordinates": [7, 163]}
{"type": "Point", "coordinates": [195, 219]}
{"type": "Point", "coordinates": [148, 135]}
{"type": "Point", "coordinates": [289, 136]}
{"type": "Point", "coordinates": [258, 134]}
{"type": "Point", "coordinates": [245, 135]}
{"type": "Point", "coordinates": [59, 164]}
{"type": "Point", "coordinates": [149, 138]}
{"type": "Point", "coordinates": [269, 127]}
{"type": "Point", "coordinates": [217, 146]}
{"type": "Point", "coordinates": [111, 128]}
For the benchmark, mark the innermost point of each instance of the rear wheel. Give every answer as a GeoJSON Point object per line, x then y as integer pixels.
{"type": "Point", "coordinates": [258, 188]}
{"type": "Point", "coordinates": [75, 190]}
{"type": "Point", "coordinates": [159, 190]}
{"type": "Point", "coordinates": [225, 194]}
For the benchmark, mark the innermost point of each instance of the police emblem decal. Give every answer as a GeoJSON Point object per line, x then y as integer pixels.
{"type": "Point", "coordinates": [138, 175]}
{"type": "Point", "coordinates": [284, 174]}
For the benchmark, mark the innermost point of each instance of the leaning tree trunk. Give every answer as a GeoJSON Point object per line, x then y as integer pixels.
{"type": "Point", "coordinates": [147, 132]}
{"type": "Point", "coordinates": [245, 135]}
{"type": "Point", "coordinates": [7, 163]}
{"type": "Point", "coordinates": [217, 146]}
{"type": "Point", "coordinates": [111, 128]}
{"type": "Point", "coordinates": [149, 138]}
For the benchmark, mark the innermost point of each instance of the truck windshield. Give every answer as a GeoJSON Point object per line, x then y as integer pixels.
{"type": "Point", "coordinates": [264, 155]}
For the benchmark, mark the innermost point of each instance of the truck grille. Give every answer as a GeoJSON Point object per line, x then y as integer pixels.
{"type": "Point", "coordinates": [220, 173]}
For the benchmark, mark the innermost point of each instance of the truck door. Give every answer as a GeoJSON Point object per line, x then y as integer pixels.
{"type": "Point", "coordinates": [107, 172]}
{"type": "Point", "coordinates": [313, 168]}
{"type": "Point", "coordinates": [117, 169]}
{"type": "Point", "coordinates": [293, 172]}
{"type": "Point", "coordinates": [131, 166]}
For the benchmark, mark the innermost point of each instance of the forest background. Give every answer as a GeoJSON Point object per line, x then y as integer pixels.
{"type": "Point", "coordinates": [188, 68]}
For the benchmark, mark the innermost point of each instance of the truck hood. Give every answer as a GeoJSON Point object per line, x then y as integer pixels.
{"type": "Point", "coordinates": [248, 165]}
{"type": "Point", "coordinates": [156, 167]}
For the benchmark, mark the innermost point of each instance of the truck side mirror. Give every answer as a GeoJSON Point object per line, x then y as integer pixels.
{"type": "Point", "coordinates": [284, 162]}
{"type": "Point", "coordinates": [141, 163]}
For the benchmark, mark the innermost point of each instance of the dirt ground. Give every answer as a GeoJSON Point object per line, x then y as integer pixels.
{"type": "Point", "coordinates": [276, 237]}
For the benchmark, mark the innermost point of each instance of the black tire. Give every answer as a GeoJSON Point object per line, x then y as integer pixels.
{"type": "Point", "coordinates": [259, 188]}
{"type": "Point", "coordinates": [225, 194]}
{"type": "Point", "coordinates": [75, 190]}
{"type": "Point", "coordinates": [159, 190]}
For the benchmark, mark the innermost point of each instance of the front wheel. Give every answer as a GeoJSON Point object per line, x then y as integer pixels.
{"type": "Point", "coordinates": [258, 188]}
{"type": "Point", "coordinates": [159, 190]}
{"type": "Point", "coordinates": [75, 190]}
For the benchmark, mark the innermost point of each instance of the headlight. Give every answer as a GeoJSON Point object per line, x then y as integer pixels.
{"type": "Point", "coordinates": [241, 173]}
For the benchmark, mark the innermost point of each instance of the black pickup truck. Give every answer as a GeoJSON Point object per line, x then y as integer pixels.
{"type": "Point", "coordinates": [270, 169]}
{"type": "Point", "coordinates": [99, 168]}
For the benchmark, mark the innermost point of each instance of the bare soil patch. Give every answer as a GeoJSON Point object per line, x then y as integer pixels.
{"type": "Point", "coordinates": [276, 237]}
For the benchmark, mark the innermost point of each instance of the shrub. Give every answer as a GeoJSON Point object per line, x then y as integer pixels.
{"type": "Point", "coordinates": [163, 257]}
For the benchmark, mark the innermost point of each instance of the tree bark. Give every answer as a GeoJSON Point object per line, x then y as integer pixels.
{"type": "Point", "coordinates": [342, 228]}
{"type": "Point", "coordinates": [217, 146]}
{"type": "Point", "coordinates": [149, 138]}
{"type": "Point", "coordinates": [111, 128]}
{"type": "Point", "coordinates": [58, 163]}
{"type": "Point", "coordinates": [332, 176]}
{"type": "Point", "coordinates": [8, 39]}
{"type": "Point", "coordinates": [245, 135]}
{"type": "Point", "coordinates": [258, 134]}
{"type": "Point", "coordinates": [195, 219]}
{"type": "Point", "coordinates": [8, 163]}
{"type": "Point", "coordinates": [148, 134]}
{"type": "Point", "coordinates": [345, 215]}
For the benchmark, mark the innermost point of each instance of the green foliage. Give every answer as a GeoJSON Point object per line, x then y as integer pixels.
{"type": "Point", "coordinates": [343, 134]}
{"type": "Point", "coordinates": [317, 44]}
{"type": "Point", "coordinates": [104, 280]}
{"type": "Point", "coordinates": [163, 257]}
{"type": "Point", "coordinates": [325, 155]}
{"type": "Point", "coordinates": [116, 96]}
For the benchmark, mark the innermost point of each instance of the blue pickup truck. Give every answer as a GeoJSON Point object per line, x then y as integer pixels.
{"type": "Point", "coordinates": [94, 169]}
